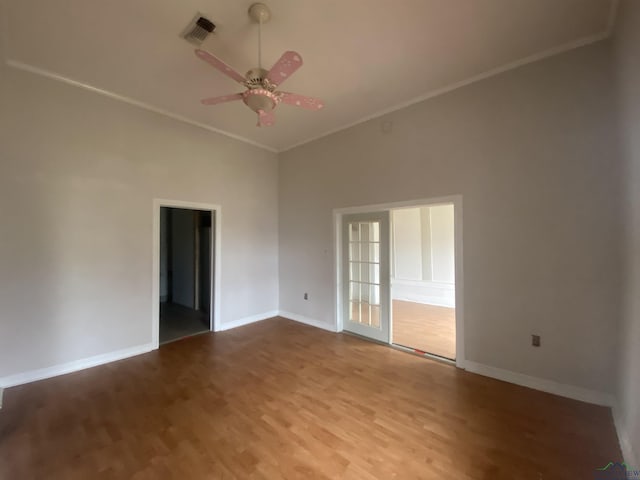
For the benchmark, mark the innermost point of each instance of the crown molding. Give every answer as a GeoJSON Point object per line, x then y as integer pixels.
{"type": "Point", "coordinates": [137, 103]}
{"type": "Point", "coordinates": [608, 32]}
{"type": "Point", "coordinates": [463, 83]}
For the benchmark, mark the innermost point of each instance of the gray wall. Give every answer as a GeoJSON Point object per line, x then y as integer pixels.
{"type": "Point", "coordinates": [627, 68]}
{"type": "Point", "coordinates": [79, 175]}
{"type": "Point", "coordinates": [530, 150]}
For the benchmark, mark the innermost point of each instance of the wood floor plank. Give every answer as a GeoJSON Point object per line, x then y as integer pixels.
{"type": "Point", "coordinates": [429, 328]}
{"type": "Point", "coordinates": [279, 399]}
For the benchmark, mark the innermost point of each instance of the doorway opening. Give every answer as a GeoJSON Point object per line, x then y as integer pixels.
{"type": "Point", "coordinates": [400, 276]}
{"type": "Point", "coordinates": [185, 272]}
{"type": "Point", "coordinates": [423, 279]}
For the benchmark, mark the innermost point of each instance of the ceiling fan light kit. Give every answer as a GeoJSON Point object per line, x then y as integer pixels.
{"type": "Point", "coordinates": [261, 95]}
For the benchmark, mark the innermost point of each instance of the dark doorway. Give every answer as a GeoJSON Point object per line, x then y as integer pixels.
{"type": "Point", "coordinates": [186, 237]}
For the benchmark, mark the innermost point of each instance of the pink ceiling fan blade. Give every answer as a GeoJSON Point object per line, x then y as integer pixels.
{"type": "Point", "coordinates": [220, 65]}
{"type": "Point", "coordinates": [266, 119]}
{"type": "Point", "coordinates": [302, 101]}
{"type": "Point", "coordinates": [288, 63]}
{"type": "Point", "coordinates": [222, 99]}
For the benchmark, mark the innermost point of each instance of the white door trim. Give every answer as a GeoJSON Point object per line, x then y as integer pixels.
{"type": "Point", "coordinates": [456, 200]}
{"type": "Point", "coordinates": [214, 308]}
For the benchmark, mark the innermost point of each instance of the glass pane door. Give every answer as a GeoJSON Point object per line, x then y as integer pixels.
{"type": "Point", "coordinates": [366, 274]}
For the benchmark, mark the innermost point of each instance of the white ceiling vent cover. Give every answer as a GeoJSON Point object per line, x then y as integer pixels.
{"type": "Point", "coordinates": [198, 30]}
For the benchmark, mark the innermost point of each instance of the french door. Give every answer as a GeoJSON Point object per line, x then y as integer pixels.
{"type": "Point", "coordinates": [365, 268]}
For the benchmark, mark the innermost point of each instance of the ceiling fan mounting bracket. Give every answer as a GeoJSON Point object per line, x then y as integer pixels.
{"type": "Point", "coordinates": [259, 13]}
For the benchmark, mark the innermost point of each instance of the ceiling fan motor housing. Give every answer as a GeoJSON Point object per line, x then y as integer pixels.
{"type": "Point", "coordinates": [256, 78]}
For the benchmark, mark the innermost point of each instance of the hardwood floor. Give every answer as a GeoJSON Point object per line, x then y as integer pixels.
{"type": "Point", "coordinates": [278, 399]}
{"type": "Point", "coordinates": [428, 328]}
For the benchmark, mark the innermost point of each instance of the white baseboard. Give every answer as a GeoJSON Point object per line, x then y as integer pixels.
{"type": "Point", "coordinates": [623, 438]}
{"type": "Point", "coordinates": [549, 386]}
{"type": "Point", "coordinates": [425, 292]}
{"type": "Point", "coordinates": [424, 300]}
{"type": "Point", "coordinates": [308, 321]}
{"type": "Point", "coordinates": [247, 320]}
{"type": "Point", "coordinates": [74, 366]}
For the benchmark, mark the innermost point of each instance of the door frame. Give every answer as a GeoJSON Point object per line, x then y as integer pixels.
{"type": "Point", "coordinates": [214, 268]}
{"type": "Point", "coordinates": [456, 200]}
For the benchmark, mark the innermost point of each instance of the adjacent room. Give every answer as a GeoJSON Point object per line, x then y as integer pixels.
{"type": "Point", "coordinates": [320, 240]}
{"type": "Point", "coordinates": [423, 280]}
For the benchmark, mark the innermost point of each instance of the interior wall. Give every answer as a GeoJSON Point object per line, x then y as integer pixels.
{"type": "Point", "coordinates": [183, 267]}
{"type": "Point", "coordinates": [626, 47]}
{"type": "Point", "coordinates": [164, 254]}
{"type": "Point", "coordinates": [206, 222]}
{"type": "Point", "coordinates": [79, 175]}
{"type": "Point", "coordinates": [423, 256]}
{"type": "Point", "coordinates": [530, 152]}
{"type": "Point", "coordinates": [407, 244]}
{"type": "Point", "coordinates": [425, 232]}
{"type": "Point", "coordinates": [442, 244]}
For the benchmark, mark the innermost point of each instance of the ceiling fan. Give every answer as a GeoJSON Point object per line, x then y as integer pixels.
{"type": "Point", "coordinates": [261, 95]}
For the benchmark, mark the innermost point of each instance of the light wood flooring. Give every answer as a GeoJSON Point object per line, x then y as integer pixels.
{"type": "Point", "coordinates": [281, 400]}
{"type": "Point", "coordinates": [428, 328]}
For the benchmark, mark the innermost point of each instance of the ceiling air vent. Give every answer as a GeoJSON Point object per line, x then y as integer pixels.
{"type": "Point", "coordinates": [198, 30]}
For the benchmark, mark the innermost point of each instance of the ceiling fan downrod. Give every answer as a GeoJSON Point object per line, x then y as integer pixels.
{"type": "Point", "coordinates": [259, 13]}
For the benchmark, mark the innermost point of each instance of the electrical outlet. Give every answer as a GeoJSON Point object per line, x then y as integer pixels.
{"type": "Point", "coordinates": [535, 340]}
{"type": "Point", "coordinates": [306, 296]}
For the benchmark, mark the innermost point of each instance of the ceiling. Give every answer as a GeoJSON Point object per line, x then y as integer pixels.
{"type": "Point", "coordinates": [362, 57]}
